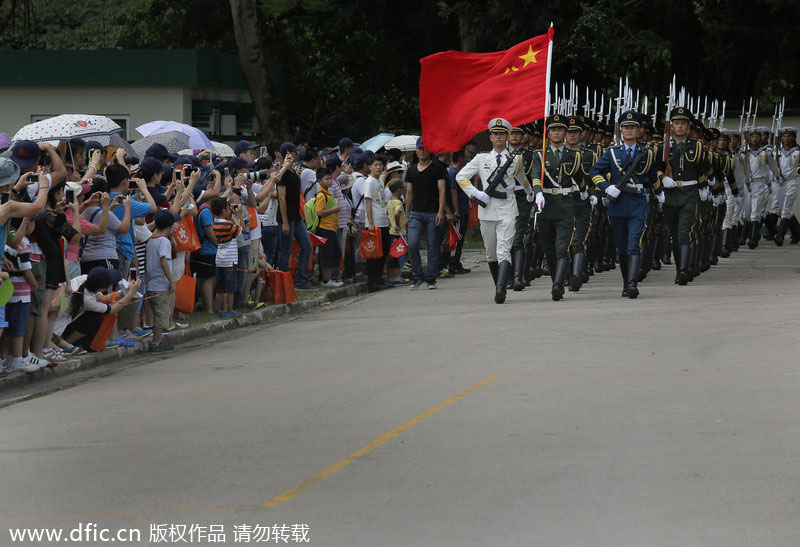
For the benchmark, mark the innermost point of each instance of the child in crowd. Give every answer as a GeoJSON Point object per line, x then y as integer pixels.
{"type": "Point", "coordinates": [328, 213]}
{"type": "Point", "coordinates": [227, 225]}
{"type": "Point", "coordinates": [397, 228]}
{"type": "Point", "coordinates": [158, 271]}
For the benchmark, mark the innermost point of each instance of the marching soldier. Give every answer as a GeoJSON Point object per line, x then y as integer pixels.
{"type": "Point", "coordinates": [556, 220]}
{"type": "Point", "coordinates": [498, 211]}
{"type": "Point", "coordinates": [583, 202]}
{"type": "Point", "coordinates": [728, 172]}
{"type": "Point", "coordinates": [517, 141]}
{"type": "Point", "coordinates": [633, 171]}
{"type": "Point", "coordinates": [688, 168]}
{"type": "Point", "coordinates": [788, 159]}
{"type": "Point", "coordinates": [761, 167]}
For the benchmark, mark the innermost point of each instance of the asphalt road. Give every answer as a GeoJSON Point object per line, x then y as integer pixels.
{"type": "Point", "coordinates": [440, 418]}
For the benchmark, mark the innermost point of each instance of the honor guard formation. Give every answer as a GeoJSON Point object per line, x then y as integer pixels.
{"type": "Point", "coordinates": [572, 195]}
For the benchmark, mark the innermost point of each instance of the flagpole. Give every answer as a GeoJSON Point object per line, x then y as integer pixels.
{"type": "Point", "coordinates": [546, 100]}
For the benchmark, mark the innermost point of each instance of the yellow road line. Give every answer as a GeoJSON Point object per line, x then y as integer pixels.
{"type": "Point", "coordinates": [389, 435]}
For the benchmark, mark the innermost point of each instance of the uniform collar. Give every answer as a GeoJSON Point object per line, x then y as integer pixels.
{"type": "Point", "coordinates": [561, 149]}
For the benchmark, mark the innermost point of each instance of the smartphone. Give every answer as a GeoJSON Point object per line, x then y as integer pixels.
{"type": "Point", "coordinates": [187, 171]}
{"type": "Point", "coordinates": [70, 195]}
{"type": "Point", "coordinates": [227, 172]}
{"type": "Point", "coordinates": [262, 152]}
{"type": "Point", "coordinates": [34, 178]}
{"type": "Point", "coordinates": [133, 274]}
{"type": "Point", "coordinates": [4, 197]}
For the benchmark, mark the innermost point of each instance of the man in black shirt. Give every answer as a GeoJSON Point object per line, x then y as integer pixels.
{"type": "Point", "coordinates": [293, 227]}
{"type": "Point", "coordinates": [425, 207]}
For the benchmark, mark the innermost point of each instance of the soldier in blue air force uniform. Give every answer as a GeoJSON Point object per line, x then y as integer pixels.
{"type": "Point", "coordinates": [627, 204]}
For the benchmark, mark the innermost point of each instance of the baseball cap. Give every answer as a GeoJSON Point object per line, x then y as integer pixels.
{"type": "Point", "coordinates": [239, 163]}
{"type": "Point", "coordinates": [332, 162]}
{"type": "Point", "coordinates": [25, 154]}
{"type": "Point", "coordinates": [287, 147]}
{"type": "Point", "coordinates": [100, 278]}
{"type": "Point", "coordinates": [241, 146]}
{"type": "Point", "coordinates": [94, 145]}
{"type": "Point", "coordinates": [164, 218]}
{"type": "Point", "coordinates": [158, 150]}
{"type": "Point", "coordinates": [419, 143]}
{"type": "Point", "coordinates": [150, 166]}
{"type": "Point", "coordinates": [9, 172]}
{"type": "Point", "coordinates": [345, 143]}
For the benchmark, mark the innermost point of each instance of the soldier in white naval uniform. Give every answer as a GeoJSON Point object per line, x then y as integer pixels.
{"type": "Point", "coordinates": [498, 217]}
{"type": "Point", "coordinates": [761, 168]}
{"type": "Point", "coordinates": [783, 196]}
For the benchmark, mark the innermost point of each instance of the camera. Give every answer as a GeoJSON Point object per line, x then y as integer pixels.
{"type": "Point", "coordinates": [34, 178]}
{"type": "Point", "coordinates": [256, 175]}
{"type": "Point", "coordinates": [69, 195]}
{"type": "Point", "coordinates": [129, 160]}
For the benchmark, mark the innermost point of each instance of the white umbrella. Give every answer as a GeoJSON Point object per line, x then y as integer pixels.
{"type": "Point", "coordinates": [403, 142]}
{"type": "Point", "coordinates": [197, 139]}
{"type": "Point", "coordinates": [68, 126]}
{"type": "Point", "coordinates": [377, 142]}
{"type": "Point", "coordinates": [222, 149]}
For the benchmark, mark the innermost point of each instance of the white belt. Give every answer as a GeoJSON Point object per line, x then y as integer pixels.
{"type": "Point", "coordinates": [682, 183]}
{"type": "Point", "coordinates": [638, 186]}
{"type": "Point", "coordinates": [557, 191]}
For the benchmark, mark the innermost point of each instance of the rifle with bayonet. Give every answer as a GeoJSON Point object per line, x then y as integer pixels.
{"type": "Point", "coordinates": [498, 177]}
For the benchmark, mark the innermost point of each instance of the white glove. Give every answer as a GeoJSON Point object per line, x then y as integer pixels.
{"type": "Point", "coordinates": [704, 194]}
{"type": "Point", "coordinates": [584, 195]}
{"type": "Point", "coordinates": [612, 191]}
{"type": "Point", "coordinates": [669, 183]}
{"type": "Point", "coordinates": [661, 197]}
{"type": "Point", "coordinates": [593, 200]}
{"type": "Point", "coordinates": [530, 197]}
{"type": "Point", "coordinates": [605, 202]}
{"type": "Point", "coordinates": [481, 196]}
{"type": "Point", "coordinates": [540, 201]}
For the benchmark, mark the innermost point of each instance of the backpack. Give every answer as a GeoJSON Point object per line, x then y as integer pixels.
{"type": "Point", "coordinates": [312, 218]}
{"type": "Point", "coordinates": [201, 233]}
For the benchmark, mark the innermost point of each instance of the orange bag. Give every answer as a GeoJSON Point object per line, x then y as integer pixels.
{"type": "Point", "coordinates": [253, 216]}
{"type": "Point", "coordinates": [184, 293]}
{"type": "Point", "coordinates": [371, 245]}
{"type": "Point", "coordinates": [185, 235]}
{"type": "Point", "coordinates": [473, 221]}
{"type": "Point", "coordinates": [281, 287]}
{"type": "Point", "coordinates": [101, 336]}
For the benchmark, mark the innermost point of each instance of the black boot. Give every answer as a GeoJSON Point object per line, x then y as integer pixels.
{"type": "Point", "coordinates": [658, 245]}
{"type": "Point", "coordinates": [519, 270]}
{"type": "Point", "coordinates": [770, 222]}
{"type": "Point", "coordinates": [755, 234]}
{"type": "Point", "coordinates": [528, 266]}
{"type": "Point", "coordinates": [624, 262]}
{"type": "Point", "coordinates": [745, 232]}
{"type": "Point", "coordinates": [634, 263]}
{"type": "Point", "coordinates": [724, 252]}
{"type": "Point", "coordinates": [733, 239]}
{"type": "Point", "coordinates": [794, 227]}
{"type": "Point", "coordinates": [684, 254]}
{"type": "Point", "coordinates": [503, 271]}
{"type": "Point", "coordinates": [715, 244]}
{"type": "Point", "coordinates": [576, 282]}
{"type": "Point", "coordinates": [493, 270]}
{"type": "Point", "coordinates": [538, 271]}
{"type": "Point", "coordinates": [694, 258]}
{"type": "Point", "coordinates": [558, 278]}
{"type": "Point", "coordinates": [703, 251]}
{"type": "Point", "coordinates": [668, 251]}
{"type": "Point", "coordinates": [782, 227]}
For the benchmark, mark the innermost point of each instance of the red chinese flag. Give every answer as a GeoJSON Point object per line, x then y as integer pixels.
{"type": "Point", "coordinates": [316, 240]}
{"type": "Point", "coordinates": [398, 248]}
{"type": "Point", "coordinates": [461, 92]}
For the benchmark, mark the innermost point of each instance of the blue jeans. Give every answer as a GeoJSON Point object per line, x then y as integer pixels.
{"type": "Point", "coordinates": [269, 240]}
{"type": "Point", "coordinates": [298, 232]}
{"type": "Point", "coordinates": [417, 224]}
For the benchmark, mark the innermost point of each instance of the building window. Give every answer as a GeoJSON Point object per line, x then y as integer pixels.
{"type": "Point", "coordinates": [246, 124]}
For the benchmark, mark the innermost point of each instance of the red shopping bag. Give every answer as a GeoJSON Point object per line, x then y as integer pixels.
{"type": "Point", "coordinates": [185, 235]}
{"type": "Point", "coordinates": [371, 245]}
{"type": "Point", "coordinates": [473, 221]}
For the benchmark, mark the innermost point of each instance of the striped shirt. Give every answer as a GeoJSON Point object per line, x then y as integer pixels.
{"type": "Point", "coordinates": [21, 261]}
{"type": "Point", "coordinates": [227, 250]}
{"type": "Point", "coordinates": [225, 230]}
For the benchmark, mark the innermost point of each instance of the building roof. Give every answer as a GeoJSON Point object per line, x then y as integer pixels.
{"type": "Point", "coordinates": [121, 67]}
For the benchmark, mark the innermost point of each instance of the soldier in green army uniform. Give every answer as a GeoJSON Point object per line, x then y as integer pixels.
{"type": "Point", "coordinates": [659, 235]}
{"type": "Point", "coordinates": [645, 136]}
{"type": "Point", "coordinates": [556, 221]}
{"type": "Point", "coordinates": [583, 200]}
{"type": "Point", "coordinates": [682, 177]}
{"type": "Point", "coordinates": [593, 152]}
{"type": "Point", "coordinates": [534, 255]}
{"type": "Point", "coordinates": [517, 140]}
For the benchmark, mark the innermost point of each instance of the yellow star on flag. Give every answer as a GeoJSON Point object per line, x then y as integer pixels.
{"type": "Point", "coordinates": [529, 57]}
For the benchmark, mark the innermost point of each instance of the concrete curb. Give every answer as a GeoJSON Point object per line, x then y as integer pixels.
{"type": "Point", "coordinates": [265, 315]}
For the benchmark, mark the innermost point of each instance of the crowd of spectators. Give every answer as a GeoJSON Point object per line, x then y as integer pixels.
{"type": "Point", "coordinates": [91, 232]}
